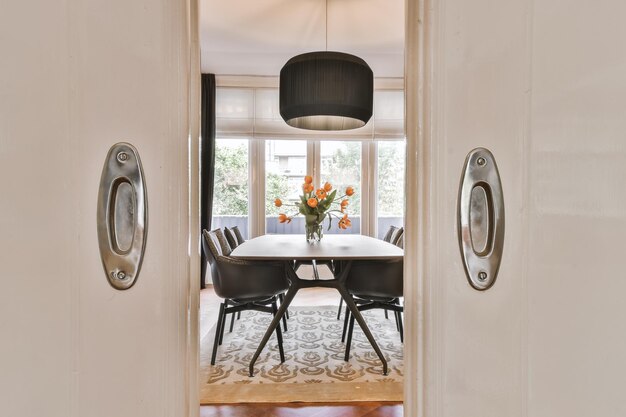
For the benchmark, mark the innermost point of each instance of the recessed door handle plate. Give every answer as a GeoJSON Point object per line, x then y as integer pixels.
{"type": "Point", "coordinates": [481, 219]}
{"type": "Point", "coordinates": [122, 216]}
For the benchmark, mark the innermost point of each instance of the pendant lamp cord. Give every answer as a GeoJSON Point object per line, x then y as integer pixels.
{"type": "Point", "coordinates": [326, 24]}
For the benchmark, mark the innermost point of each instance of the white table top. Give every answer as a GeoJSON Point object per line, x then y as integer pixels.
{"type": "Point", "coordinates": [335, 246]}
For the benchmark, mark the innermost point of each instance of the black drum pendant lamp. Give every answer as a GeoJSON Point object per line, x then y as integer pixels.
{"type": "Point", "coordinates": [326, 91]}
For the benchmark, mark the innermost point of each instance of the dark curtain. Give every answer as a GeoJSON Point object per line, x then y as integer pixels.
{"type": "Point", "coordinates": [207, 160]}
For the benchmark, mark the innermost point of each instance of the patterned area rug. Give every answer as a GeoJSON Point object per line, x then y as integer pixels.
{"type": "Point", "coordinates": [314, 370]}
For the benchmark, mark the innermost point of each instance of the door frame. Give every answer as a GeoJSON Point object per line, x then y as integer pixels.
{"type": "Point", "coordinates": [419, 267]}
{"type": "Point", "coordinates": [419, 262]}
{"type": "Point", "coordinates": [194, 248]}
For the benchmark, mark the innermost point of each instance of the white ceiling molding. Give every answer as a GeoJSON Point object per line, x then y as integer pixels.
{"type": "Point", "coordinates": [255, 81]}
{"type": "Point", "coordinates": [246, 81]}
{"type": "Point", "coordinates": [257, 37]}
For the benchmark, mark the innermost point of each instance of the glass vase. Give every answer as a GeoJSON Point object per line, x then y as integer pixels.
{"type": "Point", "coordinates": [313, 232]}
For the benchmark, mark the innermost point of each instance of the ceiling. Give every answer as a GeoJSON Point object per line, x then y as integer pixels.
{"type": "Point", "coordinates": [257, 37]}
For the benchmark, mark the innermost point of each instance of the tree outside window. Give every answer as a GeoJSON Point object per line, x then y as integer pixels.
{"type": "Point", "coordinates": [230, 197]}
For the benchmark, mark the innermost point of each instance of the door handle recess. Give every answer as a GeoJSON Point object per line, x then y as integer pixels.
{"type": "Point", "coordinates": [481, 219]}
{"type": "Point", "coordinates": [122, 216]}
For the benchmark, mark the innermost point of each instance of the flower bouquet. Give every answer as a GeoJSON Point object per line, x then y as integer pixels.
{"type": "Point", "coordinates": [317, 206]}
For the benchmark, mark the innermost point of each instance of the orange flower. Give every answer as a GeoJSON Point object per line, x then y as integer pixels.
{"type": "Point", "coordinates": [282, 218]}
{"type": "Point", "coordinates": [328, 187]}
{"type": "Point", "coordinates": [307, 188]}
{"type": "Point", "coordinates": [349, 191]}
{"type": "Point", "coordinates": [344, 204]}
{"type": "Point", "coordinates": [278, 202]}
{"type": "Point", "coordinates": [308, 179]}
{"type": "Point", "coordinates": [321, 194]}
{"type": "Point", "coordinates": [312, 202]}
{"type": "Point", "coordinates": [345, 222]}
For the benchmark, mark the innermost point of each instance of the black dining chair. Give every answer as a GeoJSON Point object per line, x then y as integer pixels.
{"type": "Point", "coordinates": [400, 242]}
{"type": "Point", "coordinates": [389, 234]}
{"type": "Point", "coordinates": [394, 235]}
{"type": "Point", "coordinates": [244, 285]}
{"type": "Point", "coordinates": [233, 236]}
{"type": "Point", "coordinates": [374, 284]}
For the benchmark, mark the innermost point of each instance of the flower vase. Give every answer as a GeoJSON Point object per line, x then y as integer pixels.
{"type": "Point", "coordinates": [314, 232]}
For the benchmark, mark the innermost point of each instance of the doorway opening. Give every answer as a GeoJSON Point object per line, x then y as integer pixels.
{"type": "Point", "coordinates": [257, 161]}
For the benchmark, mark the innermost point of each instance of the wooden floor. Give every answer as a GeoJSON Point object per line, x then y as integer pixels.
{"type": "Point", "coordinates": [209, 305]}
{"type": "Point", "coordinates": [369, 409]}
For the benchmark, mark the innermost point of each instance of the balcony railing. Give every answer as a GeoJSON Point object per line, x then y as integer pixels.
{"type": "Point", "coordinates": [297, 225]}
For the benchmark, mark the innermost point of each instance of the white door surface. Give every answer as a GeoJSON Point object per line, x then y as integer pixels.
{"type": "Point", "coordinates": [542, 84]}
{"type": "Point", "coordinates": [76, 77]}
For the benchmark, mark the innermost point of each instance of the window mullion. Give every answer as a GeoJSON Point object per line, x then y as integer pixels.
{"type": "Point", "coordinates": [313, 160]}
{"type": "Point", "coordinates": [368, 188]}
{"type": "Point", "coordinates": [373, 181]}
{"type": "Point", "coordinates": [257, 187]}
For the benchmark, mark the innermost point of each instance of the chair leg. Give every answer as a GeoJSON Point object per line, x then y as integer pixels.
{"type": "Point", "coordinates": [397, 320]}
{"type": "Point", "coordinates": [223, 326]}
{"type": "Point", "coordinates": [279, 335]}
{"type": "Point", "coordinates": [345, 325]}
{"type": "Point", "coordinates": [349, 341]}
{"type": "Point", "coordinates": [339, 311]}
{"type": "Point", "coordinates": [285, 321]}
{"type": "Point", "coordinates": [401, 326]}
{"type": "Point", "coordinates": [217, 333]}
{"type": "Point", "coordinates": [238, 315]}
{"type": "Point", "coordinates": [281, 298]}
{"type": "Point", "coordinates": [386, 315]}
{"type": "Point", "coordinates": [232, 322]}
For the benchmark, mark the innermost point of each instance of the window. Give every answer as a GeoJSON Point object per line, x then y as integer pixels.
{"type": "Point", "coordinates": [259, 158]}
{"type": "Point", "coordinates": [340, 164]}
{"type": "Point", "coordinates": [285, 168]}
{"type": "Point", "coordinates": [390, 185]}
{"type": "Point", "coordinates": [230, 196]}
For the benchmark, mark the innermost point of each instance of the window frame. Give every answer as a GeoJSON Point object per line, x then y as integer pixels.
{"type": "Point", "coordinates": [368, 187]}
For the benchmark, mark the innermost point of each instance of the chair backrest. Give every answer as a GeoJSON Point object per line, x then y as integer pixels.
{"type": "Point", "coordinates": [238, 234]}
{"type": "Point", "coordinates": [212, 250]}
{"type": "Point", "coordinates": [389, 234]}
{"type": "Point", "coordinates": [400, 241]}
{"type": "Point", "coordinates": [231, 237]}
{"type": "Point", "coordinates": [395, 236]}
{"type": "Point", "coordinates": [378, 279]}
{"type": "Point", "coordinates": [238, 279]}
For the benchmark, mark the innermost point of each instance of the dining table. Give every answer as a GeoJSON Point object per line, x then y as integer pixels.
{"type": "Point", "coordinates": [343, 248]}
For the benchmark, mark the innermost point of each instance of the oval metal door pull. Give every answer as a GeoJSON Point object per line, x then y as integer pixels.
{"type": "Point", "coordinates": [481, 219]}
{"type": "Point", "coordinates": [122, 216]}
